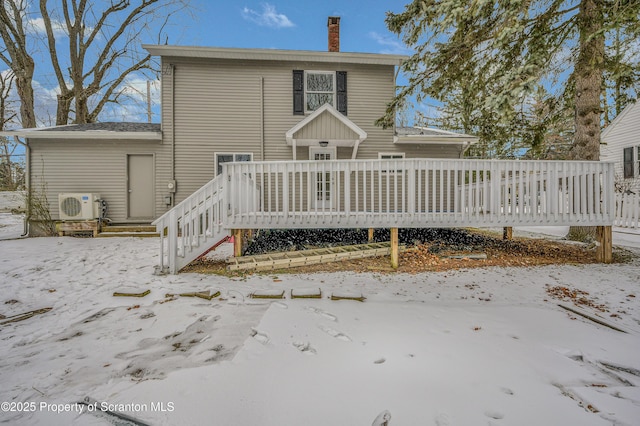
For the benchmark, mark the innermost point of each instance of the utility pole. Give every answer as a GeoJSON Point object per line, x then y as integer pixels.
{"type": "Point", "coordinates": [149, 101]}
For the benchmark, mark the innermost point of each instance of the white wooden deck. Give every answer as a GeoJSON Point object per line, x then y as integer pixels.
{"type": "Point", "coordinates": [408, 193]}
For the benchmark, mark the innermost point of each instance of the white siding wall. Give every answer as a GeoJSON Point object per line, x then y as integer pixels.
{"type": "Point", "coordinates": [624, 133]}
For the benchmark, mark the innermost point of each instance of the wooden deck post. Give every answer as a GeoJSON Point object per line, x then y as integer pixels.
{"type": "Point", "coordinates": [604, 234]}
{"type": "Point", "coordinates": [394, 248]}
{"type": "Point", "coordinates": [370, 235]}
{"type": "Point", "coordinates": [507, 233]}
{"type": "Point", "coordinates": [237, 242]}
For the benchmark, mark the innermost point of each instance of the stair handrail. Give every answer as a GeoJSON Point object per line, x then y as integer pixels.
{"type": "Point", "coordinates": [173, 220]}
{"type": "Point", "coordinates": [190, 198]}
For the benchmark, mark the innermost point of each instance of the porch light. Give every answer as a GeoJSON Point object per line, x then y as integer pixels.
{"type": "Point", "coordinates": [324, 143]}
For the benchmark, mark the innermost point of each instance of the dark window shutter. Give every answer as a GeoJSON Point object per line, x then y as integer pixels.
{"type": "Point", "coordinates": [628, 162]}
{"type": "Point", "coordinates": [298, 92]}
{"type": "Point", "coordinates": [341, 91]}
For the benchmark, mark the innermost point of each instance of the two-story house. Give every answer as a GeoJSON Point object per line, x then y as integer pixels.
{"type": "Point", "coordinates": [224, 105]}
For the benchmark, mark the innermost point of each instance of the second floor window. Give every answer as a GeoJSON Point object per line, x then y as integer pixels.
{"type": "Point", "coordinates": [312, 89]}
{"type": "Point", "coordinates": [319, 89]}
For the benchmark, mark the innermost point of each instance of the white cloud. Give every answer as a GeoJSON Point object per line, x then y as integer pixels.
{"type": "Point", "coordinates": [269, 17]}
{"type": "Point", "coordinates": [390, 45]}
{"type": "Point", "coordinates": [38, 26]}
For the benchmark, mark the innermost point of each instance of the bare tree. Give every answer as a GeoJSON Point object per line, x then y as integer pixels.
{"type": "Point", "coordinates": [11, 172]}
{"type": "Point", "coordinates": [15, 54]}
{"type": "Point", "coordinates": [104, 49]}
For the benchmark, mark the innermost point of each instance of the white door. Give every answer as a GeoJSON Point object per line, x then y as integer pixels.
{"type": "Point", "coordinates": [323, 182]}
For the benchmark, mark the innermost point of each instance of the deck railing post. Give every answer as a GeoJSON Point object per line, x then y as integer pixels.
{"type": "Point", "coordinates": [347, 189]}
{"type": "Point", "coordinates": [237, 242]}
{"type": "Point", "coordinates": [394, 248]}
{"type": "Point", "coordinates": [172, 239]}
{"type": "Point", "coordinates": [411, 190]}
{"type": "Point", "coordinates": [604, 251]}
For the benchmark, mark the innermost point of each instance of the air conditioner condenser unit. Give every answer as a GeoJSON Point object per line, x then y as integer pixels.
{"type": "Point", "coordinates": [79, 206]}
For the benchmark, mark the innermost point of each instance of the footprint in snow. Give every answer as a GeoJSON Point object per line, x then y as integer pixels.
{"type": "Point", "coordinates": [442, 420]}
{"type": "Point", "coordinates": [304, 347]}
{"type": "Point", "coordinates": [260, 337]}
{"type": "Point", "coordinates": [322, 313]}
{"type": "Point", "coordinates": [494, 415]}
{"type": "Point", "coordinates": [507, 391]}
{"type": "Point", "coordinates": [335, 333]}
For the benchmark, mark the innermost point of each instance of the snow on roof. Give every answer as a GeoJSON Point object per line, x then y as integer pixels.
{"type": "Point", "coordinates": [106, 130]}
{"type": "Point", "coordinates": [418, 134]}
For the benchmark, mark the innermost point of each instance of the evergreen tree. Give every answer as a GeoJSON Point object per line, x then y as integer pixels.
{"type": "Point", "coordinates": [495, 54]}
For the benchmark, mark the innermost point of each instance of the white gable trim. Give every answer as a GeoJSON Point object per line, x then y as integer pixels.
{"type": "Point", "coordinates": [326, 107]}
{"type": "Point", "coordinates": [362, 135]}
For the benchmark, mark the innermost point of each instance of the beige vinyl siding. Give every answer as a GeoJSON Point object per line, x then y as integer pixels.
{"type": "Point", "coordinates": [90, 166]}
{"type": "Point", "coordinates": [245, 106]}
{"type": "Point", "coordinates": [217, 108]}
{"type": "Point", "coordinates": [326, 126]}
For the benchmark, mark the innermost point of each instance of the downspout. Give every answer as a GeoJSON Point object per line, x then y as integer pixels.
{"type": "Point", "coordinates": [261, 118]}
{"type": "Point", "coordinates": [173, 129]}
{"type": "Point", "coordinates": [27, 184]}
{"type": "Point", "coordinates": [395, 85]}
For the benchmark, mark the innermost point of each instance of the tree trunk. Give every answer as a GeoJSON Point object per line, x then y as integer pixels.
{"type": "Point", "coordinates": [25, 93]}
{"type": "Point", "coordinates": [588, 74]}
{"type": "Point", "coordinates": [63, 109]}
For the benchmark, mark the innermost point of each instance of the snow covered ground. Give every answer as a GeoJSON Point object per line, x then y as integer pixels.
{"type": "Point", "coordinates": [469, 347]}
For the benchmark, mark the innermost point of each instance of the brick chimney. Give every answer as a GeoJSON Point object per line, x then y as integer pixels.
{"type": "Point", "coordinates": [334, 33]}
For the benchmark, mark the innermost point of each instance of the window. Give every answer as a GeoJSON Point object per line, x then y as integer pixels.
{"type": "Point", "coordinates": [628, 162]}
{"type": "Point", "coordinates": [319, 89]}
{"type": "Point", "coordinates": [391, 156]}
{"type": "Point", "coordinates": [224, 157]}
{"type": "Point", "coordinates": [313, 89]}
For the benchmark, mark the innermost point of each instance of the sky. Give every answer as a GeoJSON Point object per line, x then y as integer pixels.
{"type": "Point", "coordinates": [279, 24]}
{"type": "Point", "coordinates": [276, 24]}
{"type": "Point", "coordinates": [286, 24]}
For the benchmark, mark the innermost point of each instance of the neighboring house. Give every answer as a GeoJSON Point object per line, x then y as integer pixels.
{"type": "Point", "coordinates": [621, 144]}
{"type": "Point", "coordinates": [231, 105]}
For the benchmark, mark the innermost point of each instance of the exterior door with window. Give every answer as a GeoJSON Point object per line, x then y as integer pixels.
{"type": "Point", "coordinates": [323, 182]}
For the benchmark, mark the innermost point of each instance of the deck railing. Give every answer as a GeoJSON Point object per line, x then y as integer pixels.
{"type": "Point", "coordinates": [419, 193]}
{"type": "Point", "coordinates": [627, 211]}
{"type": "Point", "coordinates": [403, 193]}
{"type": "Point", "coordinates": [191, 227]}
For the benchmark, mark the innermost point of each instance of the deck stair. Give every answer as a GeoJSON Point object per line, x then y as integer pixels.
{"type": "Point", "coordinates": [292, 259]}
{"type": "Point", "coordinates": [128, 231]}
